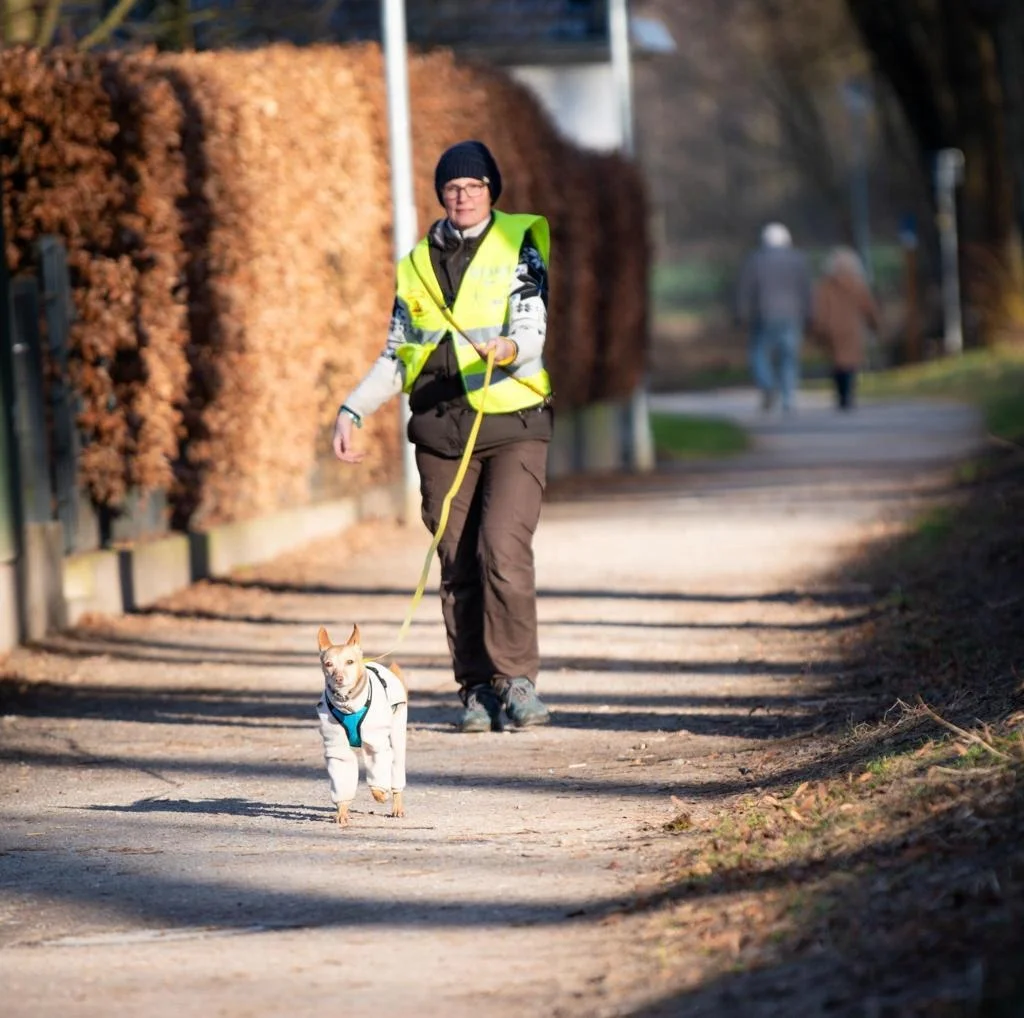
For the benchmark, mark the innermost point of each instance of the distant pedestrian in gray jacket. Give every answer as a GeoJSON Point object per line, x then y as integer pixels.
{"type": "Point", "coordinates": [774, 303]}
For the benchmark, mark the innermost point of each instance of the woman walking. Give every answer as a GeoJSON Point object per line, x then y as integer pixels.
{"type": "Point", "coordinates": [843, 311]}
{"type": "Point", "coordinates": [476, 284]}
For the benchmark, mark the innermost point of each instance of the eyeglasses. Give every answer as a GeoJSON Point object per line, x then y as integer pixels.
{"type": "Point", "coordinates": [473, 190]}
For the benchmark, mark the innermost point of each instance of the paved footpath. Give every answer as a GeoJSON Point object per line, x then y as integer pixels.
{"type": "Point", "coordinates": [166, 839]}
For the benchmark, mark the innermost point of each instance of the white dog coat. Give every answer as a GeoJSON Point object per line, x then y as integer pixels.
{"type": "Point", "coordinates": [377, 726]}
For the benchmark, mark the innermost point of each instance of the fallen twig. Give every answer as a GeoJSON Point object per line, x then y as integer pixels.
{"type": "Point", "coordinates": [964, 734]}
{"type": "Point", "coordinates": [1005, 443]}
{"type": "Point", "coordinates": [1005, 603]}
{"type": "Point", "coordinates": [963, 772]}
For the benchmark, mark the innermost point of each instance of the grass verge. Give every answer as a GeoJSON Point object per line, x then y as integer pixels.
{"type": "Point", "coordinates": [992, 380]}
{"type": "Point", "coordinates": [881, 864]}
{"type": "Point", "coordinates": [678, 436]}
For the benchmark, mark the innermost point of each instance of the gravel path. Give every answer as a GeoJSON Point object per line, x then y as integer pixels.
{"type": "Point", "coordinates": [166, 843]}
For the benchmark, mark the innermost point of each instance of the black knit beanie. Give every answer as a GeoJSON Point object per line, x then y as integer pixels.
{"type": "Point", "coordinates": [468, 159]}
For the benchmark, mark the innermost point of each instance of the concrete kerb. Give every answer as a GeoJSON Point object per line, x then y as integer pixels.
{"type": "Point", "coordinates": [126, 579]}
{"type": "Point", "coordinates": [591, 439]}
{"type": "Point", "coordinates": [8, 600]}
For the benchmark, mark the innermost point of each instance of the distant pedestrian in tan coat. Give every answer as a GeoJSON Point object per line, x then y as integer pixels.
{"type": "Point", "coordinates": [843, 311]}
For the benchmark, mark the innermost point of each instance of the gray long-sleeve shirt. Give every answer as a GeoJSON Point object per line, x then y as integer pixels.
{"type": "Point", "coordinates": [774, 286]}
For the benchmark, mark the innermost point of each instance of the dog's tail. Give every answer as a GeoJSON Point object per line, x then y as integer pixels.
{"type": "Point", "coordinates": [400, 675]}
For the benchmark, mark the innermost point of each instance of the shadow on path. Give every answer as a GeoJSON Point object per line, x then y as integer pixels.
{"type": "Point", "coordinates": [837, 597]}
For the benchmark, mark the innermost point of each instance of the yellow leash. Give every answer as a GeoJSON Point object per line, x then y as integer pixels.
{"type": "Point", "coordinates": [446, 505]}
{"type": "Point", "coordinates": [460, 474]}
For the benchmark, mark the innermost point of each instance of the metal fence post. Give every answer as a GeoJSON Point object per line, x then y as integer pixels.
{"type": "Point", "coordinates": [30, 415]}
{"type": "Point", "coordinates": [58, 312]}
{"type": "Point", "coordinates": [41, 558]}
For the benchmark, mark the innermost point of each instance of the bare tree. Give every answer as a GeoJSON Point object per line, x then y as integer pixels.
{"type": "Point", "coordinates": [955, 66]}
{"type": "Point", "coordinates": [748, 122]}
{"type": "Point", "coordinates": [30, 23]}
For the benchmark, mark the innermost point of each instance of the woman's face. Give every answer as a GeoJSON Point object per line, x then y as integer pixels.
{"type": "Point", "coordinates": [467, 201]}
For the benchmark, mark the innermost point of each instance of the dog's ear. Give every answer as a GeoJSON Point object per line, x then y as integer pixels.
{"type": "Point", "coordinates": [322, 639]}
{"type": "Point", "coordinates": [353, 640]}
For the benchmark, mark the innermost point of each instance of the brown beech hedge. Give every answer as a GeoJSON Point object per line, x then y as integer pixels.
{"type": "Point", "coordinates": [228, 223]}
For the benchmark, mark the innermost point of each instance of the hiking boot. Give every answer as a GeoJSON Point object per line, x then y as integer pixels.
{"type": "Point", "coordinates": [523, 706]}
{"type": "Point", "coordinates": [482, 712]}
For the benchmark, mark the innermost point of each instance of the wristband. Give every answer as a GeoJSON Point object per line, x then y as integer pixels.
{"type": "Point", "coordinates": [355, 417]}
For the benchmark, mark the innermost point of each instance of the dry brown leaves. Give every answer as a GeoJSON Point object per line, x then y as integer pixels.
{"type": "Point", "coordinates": [228, 222]}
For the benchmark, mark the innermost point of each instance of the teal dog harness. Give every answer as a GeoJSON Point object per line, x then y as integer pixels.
{"type": "Point", "coordinates": [353, 722]}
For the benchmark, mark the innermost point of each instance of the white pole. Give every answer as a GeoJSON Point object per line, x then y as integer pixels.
{"type": "Point", "coordinates": [949, 169]}
{"type": "Point", "coordinates": [858, 105]}
{"type": "Point", "coordinates": [404, 232]}
{"type": "Point", "coordinates": [640, 451]}
{"type": "Point", "coordinates": [622, 71]}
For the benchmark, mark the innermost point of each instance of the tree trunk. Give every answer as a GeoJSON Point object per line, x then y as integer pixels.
{"type": "Point", "coordinates": [110, 23]}
{"type": "Point", "coordinates": [942, 61]}
{"type": "Point", "coordinates": [1005, 20]}
{"type": "Point", "coordinates": [19, 22]}
{"type": "Point", "coordinates": [48, 25]}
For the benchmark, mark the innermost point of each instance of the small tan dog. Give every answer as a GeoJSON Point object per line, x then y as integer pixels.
{"type": "Point", "coordinates": [364, 706]}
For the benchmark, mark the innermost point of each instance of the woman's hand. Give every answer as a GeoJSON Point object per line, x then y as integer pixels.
{"type": "Point", "coordinates": [505, 350]}
{"type": "Point", "coordinates": [343, 443]}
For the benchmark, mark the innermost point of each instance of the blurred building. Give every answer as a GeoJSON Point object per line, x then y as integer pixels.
{"type": "Point", "coordinates": [560, 49]}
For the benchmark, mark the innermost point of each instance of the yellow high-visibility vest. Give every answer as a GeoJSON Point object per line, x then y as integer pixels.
{"type": "Point", "coordinates": [480, 314]}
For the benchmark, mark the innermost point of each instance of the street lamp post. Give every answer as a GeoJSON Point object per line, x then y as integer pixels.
{"type": "Point", "coordinates": [640, 451]}
{"type": "Point", "coordinates": [949, 169]}
{"type": "Point", "coordinates": [393, 33]}
{"type": "Point", "coordinates": [857, 100]}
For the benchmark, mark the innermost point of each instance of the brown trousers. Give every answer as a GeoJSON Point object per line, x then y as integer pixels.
{"type": "Point", "coordinates": [488, 590]}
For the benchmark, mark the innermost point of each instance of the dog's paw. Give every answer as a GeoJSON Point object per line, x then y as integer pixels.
{"type": "Point", "coordinates": [397, 807]}
{"type": "Point", "coordinates": [379, 794]}
{"type": "Point", "coordinates": [342, 815]}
